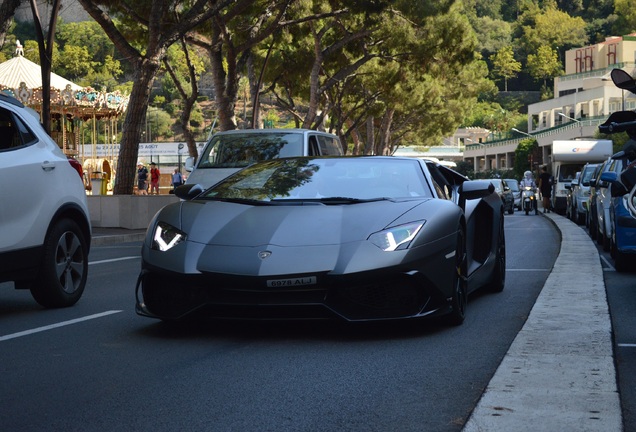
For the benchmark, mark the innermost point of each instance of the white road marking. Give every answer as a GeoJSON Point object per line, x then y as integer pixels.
{"type": "Point", "coordinates": [626, 345]}
{"type": "Point", "coordinates": [609, 265]}
{"type": "Point", "coordinates": [114, 260]}
{"type": "Point", "coordinates": [56, 325]}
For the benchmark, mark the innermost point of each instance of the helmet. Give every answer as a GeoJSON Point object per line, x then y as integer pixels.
{"type": "Point", "coordinates": [527, 174]}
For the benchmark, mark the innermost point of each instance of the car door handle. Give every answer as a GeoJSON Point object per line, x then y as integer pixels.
{"type": "Point", "coordinates": [48, 166]}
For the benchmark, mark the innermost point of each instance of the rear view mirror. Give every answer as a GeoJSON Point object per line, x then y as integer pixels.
{"type": "Point", "coordinates": [609, 176]}
{"type": "Point", "coordinates": [617, 188]}
{"type": "Point", "coordinates": [623, 80]}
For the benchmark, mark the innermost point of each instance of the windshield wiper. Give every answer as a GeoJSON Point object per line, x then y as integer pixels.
{"type": "Point", "coordinates": [245, 201]}
{"type": "Point", "coordinates": [349, 200]}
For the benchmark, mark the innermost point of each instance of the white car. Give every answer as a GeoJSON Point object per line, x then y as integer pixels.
{"type": "Point", "coordinates": [229, 151]}
{"type": "Point", "coordinates": [45, 230]}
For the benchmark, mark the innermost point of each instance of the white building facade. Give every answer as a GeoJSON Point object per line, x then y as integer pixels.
{"type": "Point", "coordinates": [583, 98]}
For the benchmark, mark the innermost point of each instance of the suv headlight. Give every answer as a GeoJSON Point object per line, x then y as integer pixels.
{"type": "Point", "coordinates": [396, 238]}
{"type": "Point", "coordinates": [166, 237]}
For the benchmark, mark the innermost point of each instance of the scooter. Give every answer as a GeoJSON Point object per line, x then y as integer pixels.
{"type": "Point", "coordinates": [529, 200]}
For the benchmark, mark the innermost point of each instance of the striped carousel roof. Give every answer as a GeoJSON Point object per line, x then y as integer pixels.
{"type": "Point", "coordinates": [21, 70]}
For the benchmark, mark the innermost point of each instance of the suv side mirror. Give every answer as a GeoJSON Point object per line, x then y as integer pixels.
{"type": "Point", "coordinates": [189, 164]}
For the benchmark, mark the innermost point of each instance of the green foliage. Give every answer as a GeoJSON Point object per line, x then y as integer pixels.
{"type": "Point", "coordinates": [505, 65]}
{"type": "Point", "coordinates": [625, 12]}
{"type": "Point", "coordinates": [196, 117]}
{"type": "Point", "coordinates": [524, 150]}
{"type": "Point", "coordinates": [549, 27]}
{"type": "Point", "coordinates": [159, 124]}
{"type": "Point", "coordinates": [544, 64]}
{"type": "Point", "coordinates": [159, 100]}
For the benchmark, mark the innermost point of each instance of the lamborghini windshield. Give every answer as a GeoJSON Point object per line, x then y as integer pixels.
{"type": "Point", "coordinates": [322, 179]}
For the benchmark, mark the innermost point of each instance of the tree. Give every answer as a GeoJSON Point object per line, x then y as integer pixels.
{"type": "Point", "coordinates": [231, 47]}
{"type": "Point", "coordinates": [187, 72]}
{"type": "Point", "coordinates": [544, 64]}
{"type": "Point", "coordinates": [524, 155]}
{"type": "Point", "coordinates": [505, 65]}
{"type": "Point", "coordinates": [626, 13]}
{"type": "Point", "coordinates": [549, 26]}
{"type": "Point", "coordinates": [146, 30]}
{"type": "Point", "coordinates": [7, 11]}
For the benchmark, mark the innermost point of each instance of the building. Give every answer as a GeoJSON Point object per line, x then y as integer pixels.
{"type": "Point", "coordinates": [583, 98]}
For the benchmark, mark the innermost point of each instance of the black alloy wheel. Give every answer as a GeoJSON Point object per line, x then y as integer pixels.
{"type": "Point", "coordinates": [64, 268]}
{"type": "Point", "coordinates": [460, 294]}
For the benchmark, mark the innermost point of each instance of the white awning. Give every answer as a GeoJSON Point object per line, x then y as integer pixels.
{"type": "Point", "coordinates": [21, 70]}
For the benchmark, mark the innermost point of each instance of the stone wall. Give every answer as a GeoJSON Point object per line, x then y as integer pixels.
{"type": "Point", "coordinates": [125, 211]}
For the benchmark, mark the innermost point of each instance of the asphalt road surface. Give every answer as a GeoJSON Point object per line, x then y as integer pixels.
{"type": "Point", "coordinates": [99, 367]}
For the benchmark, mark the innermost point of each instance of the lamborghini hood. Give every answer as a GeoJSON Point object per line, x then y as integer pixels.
{"type": "Point", "coordinates": [231, 224]}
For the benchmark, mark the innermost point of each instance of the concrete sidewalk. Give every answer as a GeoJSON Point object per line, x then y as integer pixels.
{"type": "Point", "coordinates": [559, 373]}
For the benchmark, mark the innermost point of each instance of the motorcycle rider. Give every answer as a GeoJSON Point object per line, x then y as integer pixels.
{"type": "Point", "coordinates": [528, 181]}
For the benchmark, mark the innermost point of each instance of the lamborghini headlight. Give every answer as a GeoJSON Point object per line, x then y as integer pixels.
{"type": "Point", "coordinates": [166, 237]}
{"type": "Point", "coordinates": [396, 238]}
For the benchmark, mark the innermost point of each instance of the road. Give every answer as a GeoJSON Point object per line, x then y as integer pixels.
{"type": "Point", "coordinates": [621, 297]}
{"type": "Point", "coordinates": [99, 367]}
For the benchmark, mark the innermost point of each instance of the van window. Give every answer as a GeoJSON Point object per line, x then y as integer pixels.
{"type": "Point", "coordinates": [329, 145]}
{"type": "Point", "coordinates": [240, 150]}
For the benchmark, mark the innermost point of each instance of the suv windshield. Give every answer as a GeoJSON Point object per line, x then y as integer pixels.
{"type": "Point", "coordinates": [240, 150]}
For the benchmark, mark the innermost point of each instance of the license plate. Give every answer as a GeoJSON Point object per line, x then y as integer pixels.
{"type": "Point", "coordinates": [281, 283]}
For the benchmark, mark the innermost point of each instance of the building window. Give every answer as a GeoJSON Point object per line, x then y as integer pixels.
{"type": "Point", "coordinates": [611, 54]}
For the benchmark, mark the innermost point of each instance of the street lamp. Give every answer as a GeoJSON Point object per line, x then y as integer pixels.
{"type": "Point", "coordinates": [573, 119]}
{"type": "Point", "coordinates": [522, 132]}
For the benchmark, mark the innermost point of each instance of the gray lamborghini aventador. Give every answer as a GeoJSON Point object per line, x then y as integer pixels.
{"type": "Point", "coordinates": [352, 238]}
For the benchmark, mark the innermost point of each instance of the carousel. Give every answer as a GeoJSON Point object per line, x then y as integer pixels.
{"type": "Point", "coordinates": [76, 112]}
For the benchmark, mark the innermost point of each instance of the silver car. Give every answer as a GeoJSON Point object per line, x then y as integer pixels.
{"type": "Point", "coordinates": [513, 184]}
{"type": "Point", "coordinates": [580, 194]}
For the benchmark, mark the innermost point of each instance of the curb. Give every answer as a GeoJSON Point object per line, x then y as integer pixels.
{"type": "Point", "coordinates": [559, 373]}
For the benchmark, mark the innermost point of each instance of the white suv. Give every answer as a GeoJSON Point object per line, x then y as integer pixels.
{"type": "Point", "coordinates": [45, 230]}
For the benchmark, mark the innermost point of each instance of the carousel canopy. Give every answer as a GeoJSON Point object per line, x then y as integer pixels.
{"type": "Point", "coordinates": [20, 70]}
{"type": "Point", "coordinates": [22, 79]}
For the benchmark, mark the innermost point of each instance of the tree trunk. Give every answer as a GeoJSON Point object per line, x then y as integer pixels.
{"type": "Point", "coordinates": [189, 100]}
{"type": "Point", "coordinates": [45, 45]}
{"type": "Point", "coordinates": [131, 133]}
{"type": "Point", "coordinates": [222, 82]}
{"type": "Point", "coordinates": [7, 11]}
{"type": "Point", "coordinates": [385, 133]}
{"type": "Point", "coordinates": [369, 148]}
{"type": "Point", "coordinates": [314, 81]}
{"type": "Point", "coordinates": [254, 85]}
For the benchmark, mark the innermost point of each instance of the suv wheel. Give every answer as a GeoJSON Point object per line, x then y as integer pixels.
{"type": "Point", "coordinates": [62, 275]}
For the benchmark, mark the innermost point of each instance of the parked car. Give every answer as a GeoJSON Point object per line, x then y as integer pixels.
{"type": "Point", "coordinates": [570, 198]}
{"type": "Point", "coordinates": [602, 204]}
{"type": "Point", "coordinates": [513, 184]}
{"type": "Point", "coordinates": [352, 238]}
{"type": "Point", "coordinates": [229, 151]}
{"type": "Point", "coordinates": [581, 194]}
{"type": "Point", "coordinates": [591, 222]}
{"type": "Point", "coordinates": [622, 220]}
{"type": "Point", "coordinates": [45, 230]}
{"type": "Point", "coordinates": [507, 197]}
